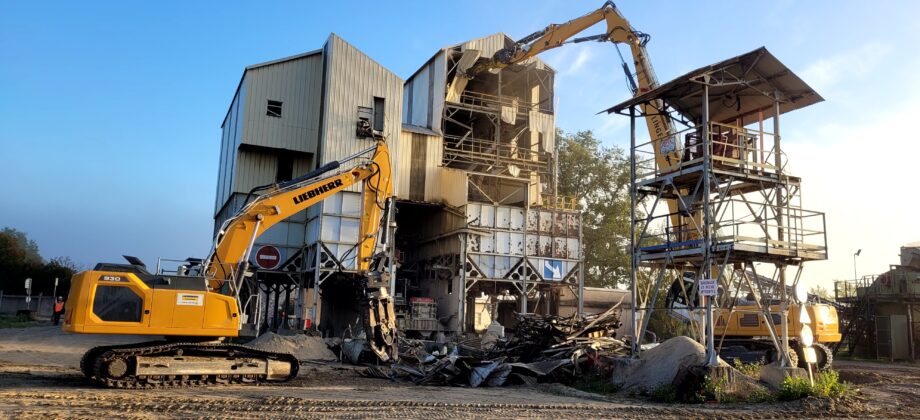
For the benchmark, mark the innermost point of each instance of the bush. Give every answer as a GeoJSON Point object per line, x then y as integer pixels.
{"type": "Point", "coordinates": [749, 369]}
{"type": "Point", "coordinates": [827, 384]}
{"type": "Point", "coordinates": [794, 388]}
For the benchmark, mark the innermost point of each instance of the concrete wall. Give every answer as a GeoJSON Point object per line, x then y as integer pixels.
{"type": "Point", "coordinates": [10, 304]}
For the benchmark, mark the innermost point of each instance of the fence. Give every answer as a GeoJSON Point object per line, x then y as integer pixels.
{"type": "Point", "coordinates": [11, 304]}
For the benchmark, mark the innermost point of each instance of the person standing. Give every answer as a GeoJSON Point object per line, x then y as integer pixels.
{"type": "Point", "coordinates": [58, 310]}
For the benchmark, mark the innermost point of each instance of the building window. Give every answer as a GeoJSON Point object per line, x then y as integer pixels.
{"type": "Point", "coordinates": [285, 170]}
{"type": "Point", "coordinates": [273, 109]}
{"type": "Point", "coordinates": [378, 113]}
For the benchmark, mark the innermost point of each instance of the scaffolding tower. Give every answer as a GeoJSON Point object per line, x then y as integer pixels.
{"type": "Point", "coordinates": [715, 199]}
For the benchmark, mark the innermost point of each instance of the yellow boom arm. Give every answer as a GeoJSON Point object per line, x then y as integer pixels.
{"type": "Point", "coordinates": [234, 241]}
{"type": "Point", "coordinates": [661, 129]}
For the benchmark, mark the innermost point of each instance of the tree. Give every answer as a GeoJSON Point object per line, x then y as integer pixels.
{"type": "Point", "coordinates": [821, 292]}
{"type": "Point", "coordinates": [598, 177]}
{"type": "Point", "coordinates": [20, 259]}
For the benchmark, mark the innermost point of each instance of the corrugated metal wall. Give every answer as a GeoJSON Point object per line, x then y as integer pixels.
{"type": "Point", "coordinates": [231, 137]}
{"type": "Point", "coordinates": [352, 80]}
{"type": "Point", "coordinates": [423, 94]}
{"type": "Point", "coordinates": [420, 166]}
{"type": "Point", "coordinates": [298, 85]}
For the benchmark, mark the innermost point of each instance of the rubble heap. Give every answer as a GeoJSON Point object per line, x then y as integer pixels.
{"type": "Point", "coordinates": [542, 348]}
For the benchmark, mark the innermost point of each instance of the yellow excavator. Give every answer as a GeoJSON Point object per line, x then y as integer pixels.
{"type": "Point", "coordinates": [740, 333]}
{"type": "Point", "coordinates": [197, 314]}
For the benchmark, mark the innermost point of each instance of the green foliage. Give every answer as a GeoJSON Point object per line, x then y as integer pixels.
{"type": "Point", "coordinates": [794, 388]}
{"type": "Point", "coordinates": [749, 369]}
{"type": "Point", "coordinates": [827, 384]}
{"type": "Point", "coordinates": [20, 259]}
{"type": "Point", "coordinates": [713, 390]}
{"type": "Point", "coordinates": [598, 177]}
{"type": "Point", "coordinates": [759, 395]}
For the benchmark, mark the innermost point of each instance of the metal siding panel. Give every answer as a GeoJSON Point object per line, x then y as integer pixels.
{"type": "Point", "coordinates": [433, 169]}
{"type": "Point", "coordinates": [352, 79]}
{"type": "Point", "coordinates": [420, 94]}
{"type": "Point", "coordinates": [255, 169]}
{"type": "Point", "coordinates": [401, 164]}
{"type": "Point", "coordinates": [298, 84]}
{"type": "Point", "coordinates": [440, 85]}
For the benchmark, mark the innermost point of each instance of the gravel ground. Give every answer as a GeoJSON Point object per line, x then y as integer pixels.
{"type": "Point", "coordinates": [38, 378]}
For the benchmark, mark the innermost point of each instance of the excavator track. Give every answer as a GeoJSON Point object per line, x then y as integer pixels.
{"type": "Point", "coordinates": [166, 365]}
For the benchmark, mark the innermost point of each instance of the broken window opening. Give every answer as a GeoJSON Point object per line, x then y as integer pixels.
{"type": "Point", "coordinates": [285, 170]}
{"type": "Point", "coordinates": [273, 108]}
{"type": "Point", "coordinates": [378, 113]}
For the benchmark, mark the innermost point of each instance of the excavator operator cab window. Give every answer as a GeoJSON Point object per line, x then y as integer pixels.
{"type": "Point", "coordinates": [117, 304]}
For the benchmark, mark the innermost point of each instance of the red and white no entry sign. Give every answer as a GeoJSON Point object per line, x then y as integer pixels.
{"type": "Point", "coordinates": [268, 257]}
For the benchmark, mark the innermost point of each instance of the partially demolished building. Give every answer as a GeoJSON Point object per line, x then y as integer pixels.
{"type": "Point", "coordinates": [480, 232]}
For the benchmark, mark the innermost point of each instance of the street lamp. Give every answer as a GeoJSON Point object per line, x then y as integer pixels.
{"type": "Point", "coordinates": [858, 251]}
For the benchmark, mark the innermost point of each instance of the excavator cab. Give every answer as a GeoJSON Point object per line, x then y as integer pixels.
{"type": "Point", "coordinates": [127, 299]}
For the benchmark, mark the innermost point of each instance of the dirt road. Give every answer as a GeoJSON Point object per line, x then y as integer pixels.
{"type": "Point", "coordinates": [38, 378]}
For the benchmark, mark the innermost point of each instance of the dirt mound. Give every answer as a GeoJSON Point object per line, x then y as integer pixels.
{"type": "Point", "coordinates": [301, 346]}
{"type": "Point", "coordinates": [661, 364]}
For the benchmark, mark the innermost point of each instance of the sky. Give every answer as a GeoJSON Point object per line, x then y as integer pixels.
{"type": "Point", "coordinates": [110, 112]}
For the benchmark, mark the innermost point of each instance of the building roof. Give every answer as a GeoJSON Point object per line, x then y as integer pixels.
{"type": "Point", "coordinates": [739, 87]}
{"type": "Point", "coordinates": [281, 60]}
{"type": "Point", "coordinates": [489, 44]}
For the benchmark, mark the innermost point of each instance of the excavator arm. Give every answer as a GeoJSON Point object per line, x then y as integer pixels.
{"type": "Point", "coordinates": [229, 260]}
{"type": "Point", "coordinates": [619, 31]}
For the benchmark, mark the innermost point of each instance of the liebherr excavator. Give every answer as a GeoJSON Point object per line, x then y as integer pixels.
{"type": "Point", "coordinates": [196, 314]}
{"type": "Point", "coordinates": [667, 157]}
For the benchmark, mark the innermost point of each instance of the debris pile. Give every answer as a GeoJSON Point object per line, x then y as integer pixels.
{"type": "Point", "coordinates": [542, 348]}
{"type": "Point", "coordinates": [303, 347]}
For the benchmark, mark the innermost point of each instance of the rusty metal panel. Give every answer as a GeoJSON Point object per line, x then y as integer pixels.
{"type": "Point", "coordinates": [517, 219]}
{"type": "Point", "coordinates": [517, 243]}
{"type": "Point", "coordinates": [533, 220]}
{"type": "Point", "coordinates": [545, 247]}
{"type": "Point", "coordinates": [560, 247]}
{"type": "Point", "coordinates": [531, 245]}
{"type": "Point", "coordinates": [574, 224]}
{"type": "Point", "coordinates": [546, 222]}
{"type": "Point", "coordinates": [573, 248]}
{"type": "Point", "coordinates": [559, 225]}
{"type": "Point", "coordinates": [503, 217]}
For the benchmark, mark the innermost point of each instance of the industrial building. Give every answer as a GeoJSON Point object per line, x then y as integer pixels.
{"type": "Point", "coordinates": [479, 230]}
{"type": "Point", "coordinates": [879, 313]}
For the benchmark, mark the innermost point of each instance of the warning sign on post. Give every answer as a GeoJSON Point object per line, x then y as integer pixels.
{"type": "Point", "coordinates": [709, 287]}
{"type": "Point", "coordinates": [268, 257]}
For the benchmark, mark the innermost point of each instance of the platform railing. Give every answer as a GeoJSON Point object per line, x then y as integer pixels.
{"type": "Point", "coordinates": [746, 226]}
{"type": "Point", "coordinates": [730, 148]}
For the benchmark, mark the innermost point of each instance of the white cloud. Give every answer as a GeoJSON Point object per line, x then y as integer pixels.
{"type": "Point", "coordinates": [830, 72]}
{"type": "Point", "coordinates": [565, 64]}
